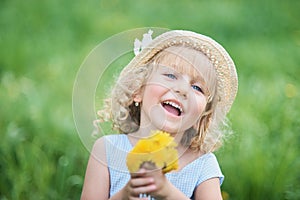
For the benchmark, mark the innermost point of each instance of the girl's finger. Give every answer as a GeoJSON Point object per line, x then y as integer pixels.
{"type": "Point", "coordinates": [141, 172]}
{"type": "Point", "coordinates": [138, 182]}
{"type": "Point", "coordinates": [143, 190]}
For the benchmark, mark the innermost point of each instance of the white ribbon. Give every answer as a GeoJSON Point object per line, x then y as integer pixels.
{"type": "Point", "coordinates": [140, 45]}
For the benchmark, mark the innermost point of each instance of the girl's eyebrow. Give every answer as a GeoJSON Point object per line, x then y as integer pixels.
{"type": "Point", "coordinates": [164, 67]}
{"type": "Point", "coordinates": [198, 78]}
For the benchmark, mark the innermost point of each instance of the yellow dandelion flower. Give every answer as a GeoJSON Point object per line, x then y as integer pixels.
{"type": "Point", "coordinates": [157, 151]}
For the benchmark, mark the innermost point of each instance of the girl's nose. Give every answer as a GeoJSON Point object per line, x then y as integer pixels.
{"type": "Point", "coordinates": [182, 89]}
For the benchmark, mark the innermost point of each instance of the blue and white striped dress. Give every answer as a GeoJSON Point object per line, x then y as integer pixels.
{"type": "Point", "coordinates": [186, 180]}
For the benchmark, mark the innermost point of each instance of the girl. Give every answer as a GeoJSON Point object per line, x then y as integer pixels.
{"type": "Point", "coordinates": [183, 83]}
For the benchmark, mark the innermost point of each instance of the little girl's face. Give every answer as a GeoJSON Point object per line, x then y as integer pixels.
{"type": "Point", "coordinates": [175, 96]}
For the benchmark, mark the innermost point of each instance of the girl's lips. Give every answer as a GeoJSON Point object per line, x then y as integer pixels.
{"type": "Point", "coordinates": [172, 107]}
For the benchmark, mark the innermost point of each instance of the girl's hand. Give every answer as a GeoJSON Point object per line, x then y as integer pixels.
{"type": "Point", "coordinates": [139, 184]}
{"type": "Point", "coordinates": [159, 187]}
{"type": "Point", "coordinates": [150, 182]}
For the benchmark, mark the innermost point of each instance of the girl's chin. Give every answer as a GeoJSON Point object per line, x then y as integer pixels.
{"type": "Point", "coordinates": [172, 130]}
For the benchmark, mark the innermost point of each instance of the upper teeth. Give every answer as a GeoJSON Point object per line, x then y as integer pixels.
{"type": "Point", "coordinates": [174, 105]}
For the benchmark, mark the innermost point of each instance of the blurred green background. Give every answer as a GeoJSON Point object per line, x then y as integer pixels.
{"type": "Point", "coordinates": [43, 44]}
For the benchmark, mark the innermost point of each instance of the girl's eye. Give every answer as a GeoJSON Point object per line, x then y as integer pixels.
{"type": "Point", "coordinates": [171, 76]}
{"type": "Point", "coordinates": [197, 88]}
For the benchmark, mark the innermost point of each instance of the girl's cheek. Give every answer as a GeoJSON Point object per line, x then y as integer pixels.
{"type": "Point", "coordinates": [156, 88]}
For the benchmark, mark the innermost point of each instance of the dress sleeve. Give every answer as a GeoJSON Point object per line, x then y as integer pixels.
{"type": "Point", "coordinates": [210, 169]}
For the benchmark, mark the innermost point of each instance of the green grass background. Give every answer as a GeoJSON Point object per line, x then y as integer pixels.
{"type": "Point", "coordinates": [43, 43]}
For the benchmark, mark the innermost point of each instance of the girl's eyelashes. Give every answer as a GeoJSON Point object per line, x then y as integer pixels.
{"type": "Point", "coordinates": [197, 88]}
{"type": "Point", "coordinates": [171, 76]}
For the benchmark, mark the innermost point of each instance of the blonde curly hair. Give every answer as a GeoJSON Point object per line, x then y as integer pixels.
{"type": "Point", "coordinates": [125, 116]}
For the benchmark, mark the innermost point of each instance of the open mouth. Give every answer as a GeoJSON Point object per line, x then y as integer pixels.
{"type": "Point", "coordinates": [172, 107]}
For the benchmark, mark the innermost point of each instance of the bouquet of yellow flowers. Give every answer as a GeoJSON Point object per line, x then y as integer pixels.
{"type": "Point", "coordinates": [156, 152]}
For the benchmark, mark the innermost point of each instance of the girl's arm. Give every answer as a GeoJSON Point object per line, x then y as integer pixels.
{"type": "Point", "coordinates": [96, 183]}
{"type": "Point", "coordinates": [209, 190]}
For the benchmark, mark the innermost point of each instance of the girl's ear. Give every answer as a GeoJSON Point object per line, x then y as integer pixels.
{"type": "Point", "coordinates": [137, 98]}
{"type": "Point", "coordinates": [138, 95]}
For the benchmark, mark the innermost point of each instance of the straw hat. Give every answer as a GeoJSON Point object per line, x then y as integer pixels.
{"type": "Point", "coordinates": [227, 81]}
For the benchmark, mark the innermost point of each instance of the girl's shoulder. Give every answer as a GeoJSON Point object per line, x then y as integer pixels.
{"type": "Point", "coordinates": [115, 142]}
{"type": "Point", "coordinates": [115, 138]}
{"type": "Point", "coordinates": [205, 162]}
{"type": "Point", "coordinates": [208, 167]}
{"type": "Point", "coordinates": [191, 158]}
{"type": "Point", "coordinates": [110, 141]}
